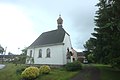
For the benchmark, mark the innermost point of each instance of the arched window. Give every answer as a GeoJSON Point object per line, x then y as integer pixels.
{"type": "Point", "coordinates": [30, 53]}
{"type": "Point", "coordinates": [40, 53]}
{"type": "Point", "coordinates": [48, 53]}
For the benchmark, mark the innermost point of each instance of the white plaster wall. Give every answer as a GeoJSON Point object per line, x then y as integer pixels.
{"type": "Point", "coordinates": [67, 42]}
{"type": "Point", "coordinates": [28, 52]}
{"type": "Point", "coordinates": [56, 56]}
{"type": "Point", "coordinates": [58, 53]}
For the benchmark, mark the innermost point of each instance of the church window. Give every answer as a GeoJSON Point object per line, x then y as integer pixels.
{"type": "Point", "coordinates": [30, 53]}
{"type": "Point", "coordinates": [40, 53]}
{"type": "Point", "coordinates": [48, 53]}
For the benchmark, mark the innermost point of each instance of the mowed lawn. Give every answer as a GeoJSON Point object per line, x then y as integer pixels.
{"type": "Point", "coordinates": [107, 72]}
{"type": "Point", "coordinates": [9, 73]}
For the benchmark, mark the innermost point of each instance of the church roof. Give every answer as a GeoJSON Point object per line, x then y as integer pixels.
{"type": "Point", "coordinates": [50, 37]}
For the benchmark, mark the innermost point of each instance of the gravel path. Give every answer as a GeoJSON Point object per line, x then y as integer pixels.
{"type": "Point", "coordinates": [2, 66]}
{"type": "Point", "coordinates": [88, 73]}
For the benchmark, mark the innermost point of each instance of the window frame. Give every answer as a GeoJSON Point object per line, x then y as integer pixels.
{"type": "Point", "coordinates": [48, 53]}
{"type": "Point", "coordinates": [40, 53]}
{"type": "Point", "coordinates": [31, 53]}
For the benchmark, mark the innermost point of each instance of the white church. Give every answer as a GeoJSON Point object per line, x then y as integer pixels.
{"type": "Point", "coordinates": [52, 47]}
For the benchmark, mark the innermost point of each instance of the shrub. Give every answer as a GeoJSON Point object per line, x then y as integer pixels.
{"type": "Point", "coordinates": [44, 69]}
{"type": "Point", "coordinates": [73, 66]}
{"type": "Point", "coordinates": [30, 73]}
{"type": "Point", "coordinates": [20, 70]}
{"type": "Point", "coordinates": [115, 62]}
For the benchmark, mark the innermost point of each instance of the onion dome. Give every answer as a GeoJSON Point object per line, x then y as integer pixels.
{"type": "Point", "coordinates": [59, 22]}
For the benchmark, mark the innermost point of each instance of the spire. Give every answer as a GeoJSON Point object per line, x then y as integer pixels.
{"type": "Point", "coordinates": [59, 21]}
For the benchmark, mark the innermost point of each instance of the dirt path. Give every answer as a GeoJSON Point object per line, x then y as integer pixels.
{"type": "Point", "coordinates": [88, 73]}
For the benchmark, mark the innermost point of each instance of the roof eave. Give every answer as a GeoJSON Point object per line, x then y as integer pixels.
{"type": "Point", "coordinates": [46, 45]}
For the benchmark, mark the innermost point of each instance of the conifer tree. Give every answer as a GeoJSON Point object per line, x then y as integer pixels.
{"type": "Point", "coordinates": [107, 33]}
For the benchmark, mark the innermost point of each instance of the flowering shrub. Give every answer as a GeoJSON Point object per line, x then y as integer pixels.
{"type": "Point", "coordinates": [44, 69]}
{"type": "Point", "coordinates": [30, 73]}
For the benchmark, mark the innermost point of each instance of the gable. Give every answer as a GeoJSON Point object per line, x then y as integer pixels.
{"type": "Point", "coordinates": [50, 37]}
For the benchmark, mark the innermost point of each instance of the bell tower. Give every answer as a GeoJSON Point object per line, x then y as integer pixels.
{"type": "Point", "coordinates": [60, 22]}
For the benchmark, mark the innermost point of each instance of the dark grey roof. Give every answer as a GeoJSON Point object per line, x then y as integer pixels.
{"type": "Point", "coordinates": [50, 37]}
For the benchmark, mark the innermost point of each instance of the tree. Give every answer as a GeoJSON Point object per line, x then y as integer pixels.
{"type": "Point", "coordinates": [1, 52]}
{"type": "Point", "coordinates": [23, 56]}
{"type": "Point", "coordinates": [107, 33]}
{"type": "Point", "coordinates": [89, 47]}
{"type": "Point", "coordinates": [21, 59]}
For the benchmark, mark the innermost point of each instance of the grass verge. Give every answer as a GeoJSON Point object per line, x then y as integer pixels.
{"type": "Point", "coordinates": [107, 72]}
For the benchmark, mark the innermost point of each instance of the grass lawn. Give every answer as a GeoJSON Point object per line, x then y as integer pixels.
{"type": "Point", "coordinates": [107, 72]}
{"type": "Point", "coordinates": [58, 74]}
{"type": "Point", "coordinates": [9, 73]}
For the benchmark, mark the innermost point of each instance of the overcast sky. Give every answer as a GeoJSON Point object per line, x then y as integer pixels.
{"type": "Point", "coordinates": [22, 21]}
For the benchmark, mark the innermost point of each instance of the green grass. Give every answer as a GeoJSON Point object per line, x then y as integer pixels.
{"type": "Point", "coordinates": [58, 74]}
{"type": "Point", "coordinates": [107, 72]}
{"type": "Point", "coordinates": [9, 73]}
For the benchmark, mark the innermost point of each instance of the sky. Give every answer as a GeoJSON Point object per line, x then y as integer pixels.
{"type": "Point", "coordinates": [22, 21]}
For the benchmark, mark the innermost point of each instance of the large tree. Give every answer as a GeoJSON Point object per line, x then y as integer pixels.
{"type": "Point", "coordinates": [107, 32]}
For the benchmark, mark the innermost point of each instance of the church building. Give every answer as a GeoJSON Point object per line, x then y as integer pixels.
{"type": "Point", "coordinates": [52, 47]}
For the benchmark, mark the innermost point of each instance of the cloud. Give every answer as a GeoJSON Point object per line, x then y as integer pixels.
{"type": "Point", "coordinates": [16, 28]}
{"type": "Point", "coordinates": [22, 21]}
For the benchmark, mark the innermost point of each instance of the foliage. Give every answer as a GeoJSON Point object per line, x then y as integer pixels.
{"type": "Point", "coordinates": [106, 43]}
{"type": "Point", "coordinates": [116, 62]}
{"type": "Point", "coordinates": [89, 46]}
{"type": "Point", "coordinates": [44, 69]}
{"type": "Point", "coordinates": [90, 58]}
{"type": "Point", "coordinates": [20, 70]}
{"type": "Point", "coordinates": [23, 56]}
{"type": "Point", "coordinates": [30, 73]}
{"type": "Point", "coordinates": [21, 59]}
{"type": "Point", "coordinates": [1, 49]}
{"type": "Point", "coordinates": [73, 66]}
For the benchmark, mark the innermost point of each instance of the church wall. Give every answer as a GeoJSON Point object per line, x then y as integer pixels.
{"type": "Point", "coordinates": [28, 59]}
{"type": "Point", "coordinates": [28, 52]}
{"type": "Point", "coordinates": [67, 42]}
{"type": "Point", "coordinates": [56, 55]}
